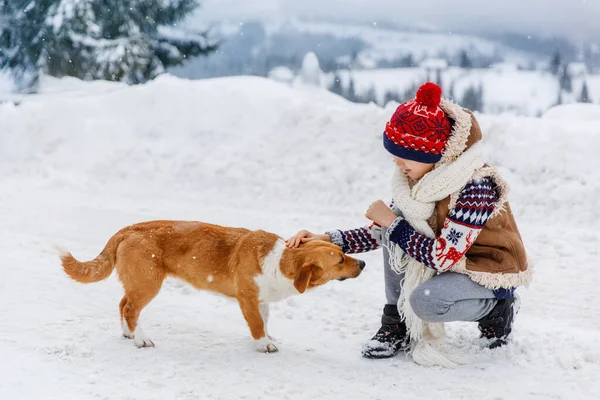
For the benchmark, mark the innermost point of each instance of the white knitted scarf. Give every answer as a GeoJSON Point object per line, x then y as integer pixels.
{"type": "Point", "coordinates": [417, 206]}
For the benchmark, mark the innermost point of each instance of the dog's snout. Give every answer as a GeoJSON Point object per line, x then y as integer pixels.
{"type": "Point", "coordinates": [361, 264]}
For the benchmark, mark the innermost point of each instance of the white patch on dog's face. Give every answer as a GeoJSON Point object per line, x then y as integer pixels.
{"type": "Point", "coordinates": [272, 285]}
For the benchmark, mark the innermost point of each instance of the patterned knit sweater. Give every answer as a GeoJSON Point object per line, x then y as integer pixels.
{"type": "Point", "coordinates": [462, 226]}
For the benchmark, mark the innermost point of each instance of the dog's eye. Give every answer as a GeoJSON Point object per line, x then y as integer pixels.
{"type": "Point", "coordinates": [342, 260]}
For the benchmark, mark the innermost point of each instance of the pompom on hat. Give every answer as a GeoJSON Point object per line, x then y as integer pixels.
{"type": "Point", "coordinates": [419, 128]}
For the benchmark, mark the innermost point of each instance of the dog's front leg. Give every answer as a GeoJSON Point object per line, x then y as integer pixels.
{"type": "Point", "coordinates": [264, 312]}
{"type": "Point", "coordinates": [253, 313]}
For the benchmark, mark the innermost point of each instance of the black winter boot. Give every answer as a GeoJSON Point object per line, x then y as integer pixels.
{"type": "Point", "coordinates": [497, 325]}
{"type": "Point", "coordinates": [390, 338]}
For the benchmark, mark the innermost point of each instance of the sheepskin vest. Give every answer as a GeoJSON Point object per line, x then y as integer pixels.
{"type": "Point", "coordinates": [497, 258]}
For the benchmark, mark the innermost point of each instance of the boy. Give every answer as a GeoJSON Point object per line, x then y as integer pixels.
{"type": "Point", "coordinates": [452, 250]}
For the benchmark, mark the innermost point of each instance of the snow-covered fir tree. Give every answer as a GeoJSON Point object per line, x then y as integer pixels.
{"type": "Point", "coordinates": [555, 63]}
{"type": "Point", "coordinates": [311, 71]}
{"type": "Point", "coordinates": [564, 79]}
{"type": "Point", "coordinates": [584, 97]}
{"type": "Point", "coordinates": [336, 85]}
{"type": "Point", "coordinates": [118, 40]}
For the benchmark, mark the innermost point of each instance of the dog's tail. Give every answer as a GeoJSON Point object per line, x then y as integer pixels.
{"type": "Point", "coordinates": [96, 270]}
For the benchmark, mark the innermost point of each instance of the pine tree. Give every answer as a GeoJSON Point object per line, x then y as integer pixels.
{"type": "Point", "coordinates": [409, 92]}
{"type": "Point", "coordinates": [465, 61]}
{"type": "Point", "coordinates": [584, 97]}
{"type": "Point", "coordinates": [351, 92]}
{"type": "Point", "coordinates": [369, 97]}
{"type": "Point", "coordinates": [336, 86]}
{"type": "Point", "coordinates": [391, 95]}
{"type": "Point", "coordinates": [451, 91]}
{"type": "Point", "coordinates": [555, 62]}
{"type": "Point", "coordinates": [438, 78]}
{"type": "Point", "coordinates": [559, 99]}
{"type": "Point", "coordinates": [118, 40]}
{"type": "Point", "coordinates": [564, 80]}
{"type": "Point", "coordinates": [473, 98]}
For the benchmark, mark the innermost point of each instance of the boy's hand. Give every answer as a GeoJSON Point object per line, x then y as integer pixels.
{"type": "Point", "coordinates": [306, 236]}
{"type": "Point", "coordinates": [380, 213]}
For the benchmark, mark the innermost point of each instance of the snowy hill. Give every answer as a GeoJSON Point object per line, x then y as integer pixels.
{"type": "Point", "coordinates": [79, 161]}
{"type": "Point", "coordinates": [387, 43]}
{"type": "Point", "coordinates": [255, 47]}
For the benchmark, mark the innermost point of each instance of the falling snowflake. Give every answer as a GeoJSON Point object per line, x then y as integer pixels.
{"type": "Point", "coordinates": [454, 236]}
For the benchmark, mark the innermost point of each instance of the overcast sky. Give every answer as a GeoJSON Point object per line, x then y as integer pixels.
{"type": "Point", "coordinates": [574, 18]}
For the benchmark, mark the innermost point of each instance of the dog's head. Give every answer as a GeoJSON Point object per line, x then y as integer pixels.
{"type": "Point", "coordinates": [317, 262]}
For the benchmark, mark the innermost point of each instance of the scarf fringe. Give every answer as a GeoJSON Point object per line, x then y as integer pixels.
{"type": "Point", "coordinates": [429, 353]}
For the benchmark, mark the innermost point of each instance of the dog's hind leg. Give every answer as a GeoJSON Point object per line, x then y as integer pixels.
{"type": "Point", "coordinates": [126, 332]}
{"type": "Point", "coordinates": [133, 305]}
{"type": "Point", "coordinates": [253, 314]}
{"type": "Point", "coordinates": [142, 283]}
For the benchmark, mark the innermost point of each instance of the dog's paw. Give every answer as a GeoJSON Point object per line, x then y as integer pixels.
{"type": "Point", "coordinates": [143, 342]}
{"type": "Point", "coordinates": [140, 339]}
{"type": "Point", "coordinates": [126, 332]}
{"type": "Point", "coordinates": [265, 345]}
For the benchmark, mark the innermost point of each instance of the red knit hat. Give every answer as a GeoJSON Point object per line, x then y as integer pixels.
{"type": "Point", "coordinates": [419, 128]}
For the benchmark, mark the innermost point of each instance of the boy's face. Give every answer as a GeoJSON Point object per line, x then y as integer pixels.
{"type": "Point", "coordinates": [414, 169]}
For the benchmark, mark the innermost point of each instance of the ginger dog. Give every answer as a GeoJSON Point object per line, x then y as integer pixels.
{"type": "Point", "coordinates": [253, 267]}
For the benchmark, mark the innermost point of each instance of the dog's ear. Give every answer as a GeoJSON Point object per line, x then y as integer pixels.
{"type": "Point", "coordinates": [303, 277]}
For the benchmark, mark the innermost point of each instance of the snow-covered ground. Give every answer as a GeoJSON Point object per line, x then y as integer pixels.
{"type": "Point", "coordinates": [78, 164]}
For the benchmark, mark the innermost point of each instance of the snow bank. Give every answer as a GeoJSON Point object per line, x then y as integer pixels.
{"type": "Point", "coordinates": [574, 112]}
{"type": "Point", "coordinates": [267, 140]}
{"type": "Point", "coordinates": [6, 83]}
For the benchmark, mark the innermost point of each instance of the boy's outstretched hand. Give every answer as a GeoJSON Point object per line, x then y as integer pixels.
{"type": "Point", "coordinates": [380, 213]}
{"type": "Point", "coordinates": [306, 236]}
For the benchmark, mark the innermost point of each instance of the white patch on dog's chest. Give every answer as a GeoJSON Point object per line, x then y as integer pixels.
{"type": "Point", "coordinates": [272, 285]}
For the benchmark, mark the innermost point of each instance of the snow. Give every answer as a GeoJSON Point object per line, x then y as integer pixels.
{"type": "Point", "coordinates": [504, 67]}
{"type": "Point", "coordinates": [579, 111]}
{"type": "Point", "coordinates": [70, 85]}
{"type": "Point", "coordinates": [434, 63]}
{"type": "Point", "coordinates": [6, 83]}
{"type": "Point", "coordinates": [365, 62]}
{"type": "Point", "coordinates": [577, 69]}
{"type": "Point", "coordinates": [79, 164]}
{"type": "Point", "coordinates": [282, 74]}
{"type": "Point", "coordinates": [173, 34]}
